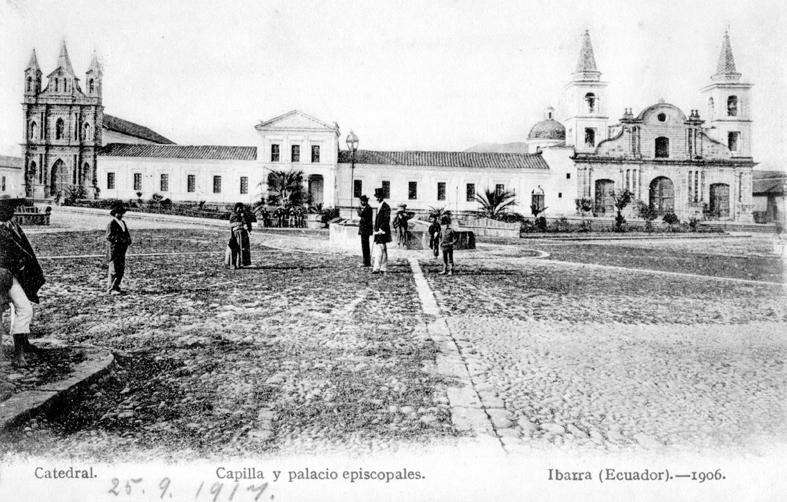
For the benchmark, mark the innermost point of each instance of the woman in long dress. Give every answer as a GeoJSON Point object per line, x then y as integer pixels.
{"type": "Point", "coordinates": [239, 252]}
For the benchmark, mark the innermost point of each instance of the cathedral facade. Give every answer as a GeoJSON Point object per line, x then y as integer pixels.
{"type": "Point", "coordinates": [687, 164]}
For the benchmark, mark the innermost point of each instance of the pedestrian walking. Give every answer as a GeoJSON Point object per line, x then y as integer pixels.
{"type": "Point", "coordinates": [434, 236]}
{"type": "Point", "coordinates": [401, 223]}
{"type": "Point", "coordinates": [448, 240]}
{"type": "Point", "coordinates": [18, 258]}
{"type": "Point", "coordinates": [238, 253]}
{"type": "Point", "coordinates": [365, 229]}
{"type": "Point", "coordinates": [119, 239]}
{"type": "Point", "coordinates": [382, 233]}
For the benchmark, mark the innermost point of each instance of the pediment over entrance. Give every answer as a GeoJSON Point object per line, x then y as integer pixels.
{"type": "Point", "coordinates": [296, 121]}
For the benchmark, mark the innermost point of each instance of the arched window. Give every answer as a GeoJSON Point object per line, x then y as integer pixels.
{"type": "Point", "coordinates": [662, 147]}
{"type": "Point", "coordinates": [85, 173]}
{"type": "Point", "coordinates": [65, 85]}
{"type": "Point", "coordinates": [732, 106]}
{"type": "Point", "coordinates": [57, 84]}
{"type": "Point", "coordinates": [85, 131]}
{"type": "Point", "coordinates": [29, 84]}
{"type": "Point", "coordinates": [710, 107]}
{"type": "Point", "coordinates": [59, 128]}
{"type": "Point", "coordinates": [590, 101]}
{"type": "Point", "coordinates": [33, 130]}
{"type": "Point", "coordinates": [31, 169]}
{"type": "Point", "coordinates": [91, 86]}
{"type": "Point", "coordinates": [549, 115]}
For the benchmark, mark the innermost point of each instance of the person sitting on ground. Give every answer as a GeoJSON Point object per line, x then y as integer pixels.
{"type": "Point", "coordinates": [448, 240]}
{"type": "Point", "coordinates": [434, 236]}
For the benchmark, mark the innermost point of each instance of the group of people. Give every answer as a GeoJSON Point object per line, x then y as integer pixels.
{"type": "Point", "coordinates": [441, 235]}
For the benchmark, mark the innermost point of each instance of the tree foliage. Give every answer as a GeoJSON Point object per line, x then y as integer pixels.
{"type": "Point", "coordinates": [494, 203]}
{"type": "Point", "coordinates": [285, 188]}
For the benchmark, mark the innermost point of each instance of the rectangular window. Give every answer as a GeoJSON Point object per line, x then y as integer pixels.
{"type": "Point", "coordinates": [733, 138]}
{"type": "Point", "coordinates": [590, 136]}
{"type": "Point", "coordinates": [537, 201]}
{"type": "Point", "coordinates": [315, 153]}
{"type": "Point", "coordinates": [386, 186]}
{"type": "Point", "coordinates": [110, 181]}
{"type": "Point", "coordinates": [244, 185]}
{"type": "Point", "coordinates": [499, 189]}
{"type": "Point", "coordinates": [191, 183]}
{"type": "Point", "coordinates": [138, 181]}
{"type": "Point", "coordinates": [217, 184]}
{"type": "Point", "coordinates": [441, 190]}
{"type": "Point", "coordinates": [412, 190]}
{"type": "Point", "coordinates": [274, 152]}
{"type": "Point", "coordinates": [470, 192]}
{"type": "Point", "coordinates": [2, 184]}
{"type": "Point", "coordinates": [568, 176]}
{"type": "Point", "coordinates": [560, 195]}
{"type": "Point", "coordinates": [165, 182]}
{"type": "Point", "coordinates": [295, 153]}
{"type": "Point", "coordinates": [357, 188]}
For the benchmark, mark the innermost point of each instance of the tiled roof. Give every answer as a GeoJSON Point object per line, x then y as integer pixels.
{"type": "Point", "coordinates": [204, 152]}
{"type": "Point", "coordinates": [774, 184]}
{"type": "Point", "coordinates": [446, 159]}
{"type": "Point", "coordinates": [12, 162]}
{"type": "Point", "coordinates": [587, 60]}
{"type": "Point", "coordinates": [132, 129]}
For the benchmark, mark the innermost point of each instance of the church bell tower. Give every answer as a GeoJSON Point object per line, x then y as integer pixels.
{"type": "Point", "coordinates": [584, 111]}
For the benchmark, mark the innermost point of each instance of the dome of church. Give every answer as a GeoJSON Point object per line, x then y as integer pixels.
{"type": "Point", "coordinates": [547, 129]}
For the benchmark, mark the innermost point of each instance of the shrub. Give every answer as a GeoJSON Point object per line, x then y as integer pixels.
{"type": "Point", "coordinates": [74, 193]}
{"type": "Point", "coordinates": [585, 226]}
{"type": "Point", "coordinates": [156, 197]}
{"type": "Point", "coordinates": [694, 224]}
{"type": "Point", "coordinates": [166, 203]}
{"type": "Point", "coordinates": [619, 222]}
{"type": "Point", "coordinates": [561, 225]}
{"type": "Point", "coordinates": [330, 213]}
{"type": "Point", "coordinates": [584, 205]}
{"type": "Point", "coordinates": [671, 218]}
{"type": "Point", "coordinates": [541, 224]}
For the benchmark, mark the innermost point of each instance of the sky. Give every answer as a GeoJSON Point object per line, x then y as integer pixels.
{"type": "Point", "coordinates": [441, 75]}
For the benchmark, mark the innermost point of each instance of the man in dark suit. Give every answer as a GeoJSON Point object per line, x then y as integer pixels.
{"type": "Point", "coordinates": [365, 229]}
{"type": "Point", "coordinates": [382, 233]}
{"type": "Point", "coordinates": [18, 258]}
{"type": "Point", "coordinates": [119, 240]}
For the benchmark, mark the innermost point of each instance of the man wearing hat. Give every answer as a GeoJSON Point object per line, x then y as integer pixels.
{"type": "Point", "coordinates": [365, 229]}
{"type": "Point", "coordinates": [119, 240]}
{"type": "Point", "coordinates": [382, 233]}
{"type": "Point", "coordinates": [18, 260]}
{"type": "Point", "coordinates": [401, 223]}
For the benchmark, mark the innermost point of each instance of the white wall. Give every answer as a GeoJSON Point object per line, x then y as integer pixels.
{"type": "Point", "coordinates": [13, 181]}
{"type": "Point", "coordinates": [178, 170]}
{"type": "Point", "coordinates": [559, 192]}
{"type": "Point", "coordinates": [108, 136]}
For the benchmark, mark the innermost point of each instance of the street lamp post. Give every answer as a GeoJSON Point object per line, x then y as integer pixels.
{"type": "Point", "coordinates": [352, 145]}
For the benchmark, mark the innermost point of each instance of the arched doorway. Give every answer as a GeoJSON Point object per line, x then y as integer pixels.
{"type": "Point", "coordinates": [59, 178]}
{"type": "Point", "coordinates": [605, 197]}
{"type": "Point", "coordinates": [316, 189]}
{"type": "Point", "coordinates": [720, 200]}
{"type": "Point", "coordinates": [662, 195]}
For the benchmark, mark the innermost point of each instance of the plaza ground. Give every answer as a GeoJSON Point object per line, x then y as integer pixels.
{"type": "Point", "coordinates": [599, 346]}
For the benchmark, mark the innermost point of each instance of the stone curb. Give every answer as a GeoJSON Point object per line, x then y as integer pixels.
{"type": "Point", "coordinates": [27, 404]}
{"type": "Point", "coordinates": [468, 413]}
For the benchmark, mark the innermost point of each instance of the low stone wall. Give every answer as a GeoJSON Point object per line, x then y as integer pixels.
{"type": "Point", "coordinates": [487, 227]}
{"type": "Point", "coordinates": [344, 235]}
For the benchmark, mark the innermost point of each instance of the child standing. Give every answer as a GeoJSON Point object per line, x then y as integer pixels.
{"type": "Point", "coordinates": [434, 236]}
{"type": "Point", "coordinates": [448, 240]}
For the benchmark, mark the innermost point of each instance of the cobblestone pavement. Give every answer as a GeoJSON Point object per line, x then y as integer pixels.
{"type": "Point", "coordinates": [304, 353]}
{"type": "Point", "coordinates": [572, 357]}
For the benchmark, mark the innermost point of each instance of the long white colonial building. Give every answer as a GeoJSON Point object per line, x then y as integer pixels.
{"type": "Point", "coordinates": [689, 164]}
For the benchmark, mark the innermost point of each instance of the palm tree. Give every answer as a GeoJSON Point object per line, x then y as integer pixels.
{"type": "Point", "coordinates": [285, 188]}
{"type": "Point", "coordinates": [495, 202]}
